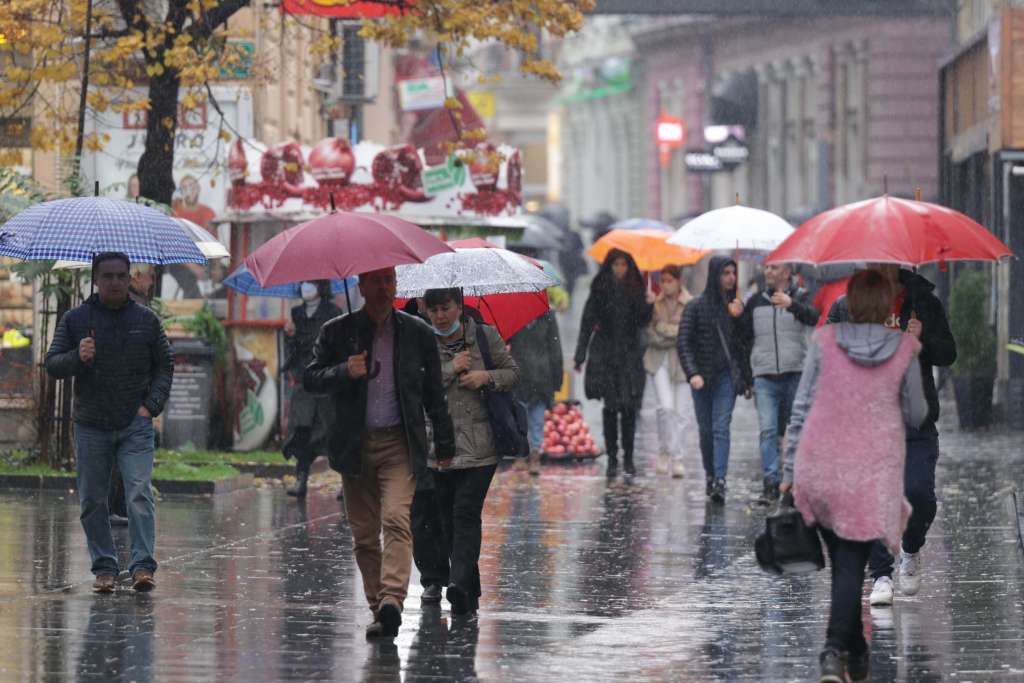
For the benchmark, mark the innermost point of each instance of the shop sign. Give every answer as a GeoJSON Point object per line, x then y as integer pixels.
{"type": "Point", "coordinates": [438, 179]}
{"type": "Point", "coordinates": [702, 162]}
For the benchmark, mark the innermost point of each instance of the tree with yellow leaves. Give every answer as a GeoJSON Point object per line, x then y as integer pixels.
{"type": "Point", "coordinates": [58, 55]}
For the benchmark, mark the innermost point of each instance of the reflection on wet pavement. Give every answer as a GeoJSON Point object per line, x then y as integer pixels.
{"type": "Point", "coordinates": [583, 580]}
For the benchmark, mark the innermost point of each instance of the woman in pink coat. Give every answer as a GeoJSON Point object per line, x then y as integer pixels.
{"type": "Point", "coordinates": [845, 453]}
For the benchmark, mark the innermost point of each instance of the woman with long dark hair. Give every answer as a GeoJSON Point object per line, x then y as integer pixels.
{"type": "Point", "coordinates": [614, 317]}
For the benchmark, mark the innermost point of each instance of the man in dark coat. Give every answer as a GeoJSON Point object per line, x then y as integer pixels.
{"type": "Point", "coordinates": [919, 312]}
{"type": "Point", "coordinates": [305, 411]}
{"type": "Point", "coordinates": [711, 352]}
{"type": "Point", "coordinates": [119, 355]}
{"type": "Point", "coordinates": [537, 350]}
{"type": "Point", "coordinates": [382, 372]}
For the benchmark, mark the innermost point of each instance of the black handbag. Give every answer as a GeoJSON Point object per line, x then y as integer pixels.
{"type": "Point", "coordinates": [739, 383]}
{"type": "Point", "coordinates": [507, 415]}
{"type": "Point", "coordinates": [787, 545]}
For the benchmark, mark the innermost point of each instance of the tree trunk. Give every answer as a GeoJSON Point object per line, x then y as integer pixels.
{"type": "Point", "coordinates": [156, 166]}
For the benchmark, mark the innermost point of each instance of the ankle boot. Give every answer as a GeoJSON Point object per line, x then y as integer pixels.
{"type": "Point", "coordinates": [627, 463]}
{"type": "Point", "coordinates": [301, 485]}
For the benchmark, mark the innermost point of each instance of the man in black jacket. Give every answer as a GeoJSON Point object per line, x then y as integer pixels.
{"type": "Point", "coordinates": [919, 312]}
{"type": "Point", "coordinates": [537, 350]}
{"type": "Point", "coordinates": [119, 355]}
{"type": "Point", "coordinates": [711, 354]}
{"type": "Point", "coordinates": [774, 330]}
{"type": "Point", "coordinates": [382, 372]}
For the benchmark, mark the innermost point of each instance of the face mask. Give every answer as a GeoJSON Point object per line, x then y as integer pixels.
{"type": "Point", "coordinates": [450, 331]}
{"type": "Point", "coordinates": [308, 291]}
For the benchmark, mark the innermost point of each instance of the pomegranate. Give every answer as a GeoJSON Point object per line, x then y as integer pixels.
{"type": "Point", "coordinates": [484, 164]}
{"type": "Point", "coordinates": [398, 169]}
{"type": "Point", "coordinates": [281, 168]}
{"type": "Point", "coordinates": [332, 162]}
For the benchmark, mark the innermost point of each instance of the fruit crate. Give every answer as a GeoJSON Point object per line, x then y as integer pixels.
{"type": "Point", "coordinates": [566, 434]}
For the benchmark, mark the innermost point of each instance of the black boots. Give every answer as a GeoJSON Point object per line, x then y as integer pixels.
{"type": "Point", "coordinates": [628, 439]}
{"type": "Point", "coordinates": [301, 484]}
{"type": "Point", "coordinates": [610, 423]}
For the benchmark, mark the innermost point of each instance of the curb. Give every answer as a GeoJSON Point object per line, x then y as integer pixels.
{"type": "Point", "coordinates": [41, 483]}
{"type": "Point", "coordinates": [277, 470]}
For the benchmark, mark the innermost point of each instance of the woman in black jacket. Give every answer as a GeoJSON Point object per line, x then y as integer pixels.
{"type": "Point", "coordinates": [615, 315]}
{"type": "Point", "coordinates": [306, 422]}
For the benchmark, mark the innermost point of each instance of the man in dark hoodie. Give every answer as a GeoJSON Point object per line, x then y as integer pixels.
{"type": "Point", "coordinates": [710, 351]}
{"type": "Point", "coordinates": [919, 312]}
{"type": "Point", "coordinates": [119, 355]}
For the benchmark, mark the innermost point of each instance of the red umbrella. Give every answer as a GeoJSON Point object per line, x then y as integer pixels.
{"type": "Point", "coordinates": [889, 230]}
{"type": "Point", "coordinates": [340, 245]}
{"type": "Point", "coordinates": [509, 313]}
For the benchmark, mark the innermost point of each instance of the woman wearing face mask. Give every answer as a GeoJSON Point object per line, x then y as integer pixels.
{"type": "Point", "coordinates": [305, 410]}
{"type": "Point", "coordinates": [463, 481]}
{"type": "Point", "coordinates": [615, 315]}
{"type": "Point", "coordinates": [676, 431]}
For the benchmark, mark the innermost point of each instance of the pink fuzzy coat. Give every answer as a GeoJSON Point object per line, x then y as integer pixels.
{"type": "Point", "coordinates": [848, 474]}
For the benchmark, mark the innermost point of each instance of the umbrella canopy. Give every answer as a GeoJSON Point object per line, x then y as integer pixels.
{"type": "Point", "coordinates": [733, 228]}
{"type": "Point", "coordinates": [477, 271]}
{"type": "Point", "coordinates": [509, 313]}
{"type": "Point", "coordinates": [78, 228]}
{"type": "Point", "coordinates": [209, 245]}
{"type": "Point", "coordinates": [647, 247]}
{"type": "Point", "coordinates": [549, 268]}
{"type": "Point", "coordinates": [242, 281]}
{"type": "Point", "coordinates": [641, 224]}
{"type": "Point", "coordinates": [890, 230]}
{"type": "Point", "coordinates": [340, 245]}
{"type": "Point", "coordinates": [539, 233]}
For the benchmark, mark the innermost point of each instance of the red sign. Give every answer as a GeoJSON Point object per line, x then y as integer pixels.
{"type": "Point", "coordinates": [670, 132]}
{"type": "Point", "coordinates": [345, 9]}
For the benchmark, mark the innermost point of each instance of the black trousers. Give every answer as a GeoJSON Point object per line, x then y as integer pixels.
{"type": "Point", "coordinates": [848, 560]}
{"type": "Point", "coordinates": [610, 422]}
{"type": "Point", "coordinates": [299, 446]}
{"type": "Point", "coordinates": [919, 488]}
{"type": "Point", "coordinates": [461, 495]}
{"type": "Point", "coordinates": [429, 550]}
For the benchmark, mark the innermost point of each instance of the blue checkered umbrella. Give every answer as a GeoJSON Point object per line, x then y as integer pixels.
{"type": "Point", "coordinates": [77, 229]}
{"type": "Point", "coordinates": [242, 281]}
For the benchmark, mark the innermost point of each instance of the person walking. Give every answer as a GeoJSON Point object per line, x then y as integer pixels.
{"type": "Point", "coordinates": [614, 317]}
{"type": "Point", "coordinates": [474, 359]}
{"type": "Point", "coordinates": [123, 368]}
{"type": "Point", "coordinates": [916, 310]}
{"type": "Point", "coordinates": [677, 432]}
{"type": "Point", "coordinates": [306, 412]}
{"type": "Point", "coordinates": [381, 371]}
{"type": "Point", "coordinates": [711, 352]}
{"type": "Point", "coordinates": [429, 551]}
{"type": "Point", "coordinates": [537, 351]}
{"type": "Point", "coordinates": [860, 391]}
{"type": "Point", "coordinates": [774, 329]}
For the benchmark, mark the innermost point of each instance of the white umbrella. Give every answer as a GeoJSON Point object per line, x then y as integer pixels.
{"type": "Point", "coordinates": [734, 227]}
{"type": "Point", "coordinates": [479, 272]}
{"type": "Point", "coordinates": [208, 245]}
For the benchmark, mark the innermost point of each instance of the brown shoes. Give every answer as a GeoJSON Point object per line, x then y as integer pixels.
{"type": "Point", "coordinates": [142, 580]}
{"type": "Point", "coordinates": [534, 463]}
{"type": "Point", "coordinates": [104, 583]}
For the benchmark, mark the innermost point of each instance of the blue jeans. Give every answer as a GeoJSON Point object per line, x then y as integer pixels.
{"type": "Point", "coordinates": [132, 448]}
{"type": "Point", "coordinates": [713, 405]}
{"type": "Point", "coordinates": [535, 423]}
{"type": "Point", "coordinates": [774, 397]}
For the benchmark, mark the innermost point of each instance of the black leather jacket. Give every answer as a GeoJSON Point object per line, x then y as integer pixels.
{"type": "Point", "coordinates": [133, 366]}
{"type": "Point", "coordinates": [418, 379]}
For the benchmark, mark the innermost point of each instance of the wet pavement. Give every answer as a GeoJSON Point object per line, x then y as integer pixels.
{"type": "Point", "coordinates": [583, 579]}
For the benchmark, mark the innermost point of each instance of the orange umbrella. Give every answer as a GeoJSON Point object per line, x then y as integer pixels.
{"type": "Point", "coordinates": [647, 247]}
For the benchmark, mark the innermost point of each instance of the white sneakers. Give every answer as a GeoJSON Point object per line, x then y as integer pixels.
{"type": "Point", "coordinates": [662, 466]}
{"type": "Point", "coordinates": [881, 592]}
{"type": "Point", "coordinates": [910, 573]}
{"type": "Point", "coordinates": [678, 471]}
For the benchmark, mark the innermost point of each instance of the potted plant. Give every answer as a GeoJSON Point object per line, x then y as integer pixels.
{"type": "Point", "coordinates": [975, 368]}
